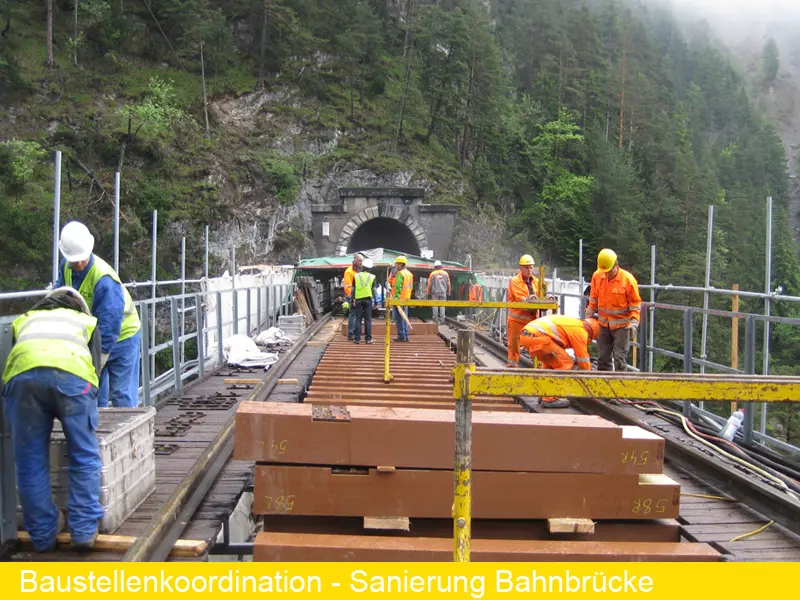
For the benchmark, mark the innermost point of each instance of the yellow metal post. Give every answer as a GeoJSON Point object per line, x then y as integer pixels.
{"type": "Point", "coordinates": [387, 340]}
{"type": "Point", "coordinates": [735, 337]}
{"type": "Point", "coordinates": [462, 496]}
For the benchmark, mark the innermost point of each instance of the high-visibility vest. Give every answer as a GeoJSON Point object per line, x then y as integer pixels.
{"type": "Point", "coordinates": [518, 290]}
{"type": "Point", "coordinates": [364, 282]}
{"type": "Point", "coordinates": [567, 332]}
{"type": "Point", "coordinates": [408, 284]}
{"type": "Point", "coordinates": [476, 293]}
{"type": "Point", "coordinates": [349, 275]}
{"type": "Point", "coordinates": [100, 268]}
{"type": "Point", "coordinates": [57, 339]}
{"type": "Point", "coordinates": [616, 301]}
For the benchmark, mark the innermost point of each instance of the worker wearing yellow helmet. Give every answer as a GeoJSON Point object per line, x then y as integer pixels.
{"type": "Point", "coordinates": [523, 287]}
{"type": "Point", "coordinates": [403, 287]}
{"type": "Point", "coordinates": [614, 296]}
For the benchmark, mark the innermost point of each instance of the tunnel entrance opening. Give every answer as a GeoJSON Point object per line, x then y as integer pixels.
{"type": "Point", "coordinates": [383, 233]}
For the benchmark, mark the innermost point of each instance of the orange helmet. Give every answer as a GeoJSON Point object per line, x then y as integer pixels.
{"type": "Point", "coordinates": [593, 326]}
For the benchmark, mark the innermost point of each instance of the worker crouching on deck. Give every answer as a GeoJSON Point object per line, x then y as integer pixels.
{"type": "Point", "coordinates": [548, 339]}
{"type": "Point", "coordinates": [52, 373]}
{"type": "Point", "coordinates": [109, 301]}
{"type": "Point", "coordinates": [523, 287]}
{"type": "Point", "coordinates": [614, 296]}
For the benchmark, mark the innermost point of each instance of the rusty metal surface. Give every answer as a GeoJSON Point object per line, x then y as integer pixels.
{"type": "Point", "coordinates": [372, 436]}
{"type": "Point", "coordinates": [357, 492]}
{"type": "Point", "coordinates": [379, 327]}
{"type": "Point", "coordinates": [305, 547]}
{"type": "Point", "coordinates": [353, 374]}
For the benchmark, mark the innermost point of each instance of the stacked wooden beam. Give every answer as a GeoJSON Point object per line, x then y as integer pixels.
{"type": "Point", "coordinates": [346, 462]}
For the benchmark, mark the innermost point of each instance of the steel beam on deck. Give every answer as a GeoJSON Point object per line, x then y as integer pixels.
{"type": "Point", "coordinates": [640, 386]}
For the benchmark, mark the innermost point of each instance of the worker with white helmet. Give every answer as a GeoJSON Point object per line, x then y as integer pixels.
{"type": "Point", "coordinates": [52, 373]}
{"type": "Point", "coordinates": [523, 287]}
{"type": "Point", "coordinates": [109, 301]}
{"type": "Point", "coordinates": [614, 296]}
{"type": "Point", "coordinates": [363, 294]}
{"type": "Point", "coordinates": [439, 288]}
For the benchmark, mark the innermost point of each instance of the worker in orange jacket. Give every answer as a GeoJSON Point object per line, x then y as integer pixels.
{"type": "Point", "coordinates": [523, 287]}
{"type": "Point", "coordinates": [476, 295]}
{"type": "Point", "coordinates": [548, 339]}
{"type": "Point", "coordinates": [614, 296]}
{"type": "Point", "coordinates": [403, 289]}
{"type": "Point", "coordinates": [349, 287]}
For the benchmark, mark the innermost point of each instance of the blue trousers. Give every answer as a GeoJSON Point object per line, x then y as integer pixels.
{"type": "Point", "coordinates": [363, 311]}
{"type": "Point", "coordinates": [120, 377]}
{"type": "Point", "coordinates": [351, 319]}
{"type": "Point", "coordinates": [33, 400]}
{"type": "Point", "coordinates": [402, 327]}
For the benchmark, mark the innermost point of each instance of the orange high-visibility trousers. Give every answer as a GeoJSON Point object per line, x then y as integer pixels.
{"type": "Point", "coordinates": [514, 328]}
{"type": "Point", "coordinates": [550, 354]}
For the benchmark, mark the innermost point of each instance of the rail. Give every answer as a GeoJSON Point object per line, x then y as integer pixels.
{"type": "Point", "coordinates": [470, 381]}
{"type": "Point", "coordinates": [646, 351]}
{"type": "Point", "coordinates": [410, 302]}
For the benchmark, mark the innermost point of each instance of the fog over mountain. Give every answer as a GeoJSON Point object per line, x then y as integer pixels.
{"type": "Point", "coordinates": [745, 27]}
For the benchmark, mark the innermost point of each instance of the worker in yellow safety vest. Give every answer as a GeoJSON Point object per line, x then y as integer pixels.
{"type": "Point", "coordinates": [53, 373]}
{"type": "Point", "coordinates": [109, 300]}
{"type": "Point", "coordinates": [403, 288]}
{"type": "Point", "coordinates": [363, 294]}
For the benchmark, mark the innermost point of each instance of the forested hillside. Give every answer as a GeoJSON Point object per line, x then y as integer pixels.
{"type": "Point", "coordinates": [548, 120]}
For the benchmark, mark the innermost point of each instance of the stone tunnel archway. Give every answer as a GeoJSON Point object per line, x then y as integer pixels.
{"type": "Point", "coordinates": [383, 233]}
{"type": "Point", "coordinates": [371, 229]}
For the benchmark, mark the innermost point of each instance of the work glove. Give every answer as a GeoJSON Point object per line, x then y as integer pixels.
{"type": "Point", "coordinates": [633, 327]}
{"type": "Point", "coordinates": [103, 361]}
{"type": "Point", "coordinates": [531, 298]}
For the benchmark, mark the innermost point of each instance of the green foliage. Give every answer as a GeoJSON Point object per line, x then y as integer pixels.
{"type": "Point", "coordinates": [770, 61]}
{"type": "Point", "coordinates": [158, 111]}
{"type": "Point", "coordinates": [18, 159]}
{"type": "Point", "coordinates": [280, 177]}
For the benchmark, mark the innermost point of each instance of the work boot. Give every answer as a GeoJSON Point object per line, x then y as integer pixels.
{"type": "Point", "coordinates": [356, 341]}
{"type": "Point", "coordinates": [370, 342]}
{"type": "Point", "coordinates": [84, 546]}
{"type": "Point", "coordinates": [554, 403]}
{"type": "Point", "coordinates": [397, 339]}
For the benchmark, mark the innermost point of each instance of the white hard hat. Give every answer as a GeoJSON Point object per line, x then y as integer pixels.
{"type": "Point", "coordinates": [76, 242]}
{"type": "Point", "coordinates": [437, 263]}
{"type": "Point", "coordinates": [65, 290]}
{"type": "Point", "coordinates": [367, 264]}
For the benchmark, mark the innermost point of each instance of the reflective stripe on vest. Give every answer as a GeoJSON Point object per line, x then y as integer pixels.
{"type": "Point", "coordinates": [408, 284]}
{"type": "Point", "coordinates": [56, 339]}
{"type": "Point", "coordinates": [100, 268]}
{"type": "Point", "coordinates": [364, 283]}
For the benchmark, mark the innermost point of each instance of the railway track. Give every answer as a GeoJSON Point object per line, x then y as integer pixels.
{"type": "Point", "coordinates": [199, 484]}
{"type": "Point", "coordinates": [721, 503]}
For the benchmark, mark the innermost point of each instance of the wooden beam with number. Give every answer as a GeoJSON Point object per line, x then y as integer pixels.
{"type": "Point", "coordinates": [121, 544]}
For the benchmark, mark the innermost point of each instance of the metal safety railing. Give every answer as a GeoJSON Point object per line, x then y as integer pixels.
{"type": "Point", "coordinates": [252, 309]}
{"type": "Point", "coordinates": [470, 381]}
{"type": "Point", "coordinates": [410, 302]}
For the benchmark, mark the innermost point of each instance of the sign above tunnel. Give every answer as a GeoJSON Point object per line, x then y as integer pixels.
{"type": "Point", "coordinates": [363, 218]}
